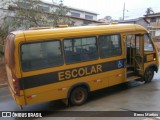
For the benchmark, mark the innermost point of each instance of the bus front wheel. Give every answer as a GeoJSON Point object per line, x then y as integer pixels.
{"type": "Point", "coordinates": [78, 96]}
{"type": "Point", "coordinates": [148, 75]}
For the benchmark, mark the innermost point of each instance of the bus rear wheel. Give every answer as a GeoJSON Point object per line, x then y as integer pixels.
{"type": "Point", "coordinates": [78, 96]}
{"type": "Point", "coordinates": [148, 75]}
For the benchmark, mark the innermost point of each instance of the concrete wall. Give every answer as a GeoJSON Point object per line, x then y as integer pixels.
{"type": "Point", "coordinates": [157, 32]}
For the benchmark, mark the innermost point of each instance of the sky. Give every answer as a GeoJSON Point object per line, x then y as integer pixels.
{"type": "Point", "coordinates": [114, 8]}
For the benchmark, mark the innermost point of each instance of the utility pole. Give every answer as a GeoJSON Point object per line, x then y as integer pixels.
{"type": "Point", "coordinates": [123, 10]}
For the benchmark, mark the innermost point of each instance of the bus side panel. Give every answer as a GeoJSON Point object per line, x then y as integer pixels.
{"type": "Point", "coordinates": [108, 79]}
{"type": "Point", "coordinates": [54, 94]}
{"type": "Point", "coordinates": [60, 90]}
{"type": "Point", "coordinates": [54, 85]}
{"type": "Point", "coordinates": [52, 91]}
{"type": "Point", "coordinates": [117, 78]}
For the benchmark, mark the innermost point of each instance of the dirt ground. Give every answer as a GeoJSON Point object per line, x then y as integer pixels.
{"type": "Point", "coordinates": [3, 76]}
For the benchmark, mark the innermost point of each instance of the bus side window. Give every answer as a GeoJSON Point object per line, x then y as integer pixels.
{"type": "Point", "coordinates": [147, 43]}
{"type": "Point", "coordinates": [41, 55]}
{"type": "Point", "coordinates": [109, 45]}
{"type": "Point", "coordinates": [80, 49]}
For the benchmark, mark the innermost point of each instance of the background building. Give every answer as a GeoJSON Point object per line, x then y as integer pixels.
{"type": "Point", "coordinates": [141, 21]}
{"type": "Point", "coordinates": [106, 19]}
{"type": "Point", "coordinates": [154, 24]}
{"type": "Point", "coordinates": [80, 17]}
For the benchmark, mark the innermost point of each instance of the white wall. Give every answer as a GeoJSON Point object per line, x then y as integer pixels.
{"type": "Point", "coordinates": [157, 32]}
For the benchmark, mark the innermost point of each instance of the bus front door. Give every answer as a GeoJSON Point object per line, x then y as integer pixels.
{"type": "Point", "coordinates": [139, 53]}
{"type": "Point", "coordinates": [134, 56]}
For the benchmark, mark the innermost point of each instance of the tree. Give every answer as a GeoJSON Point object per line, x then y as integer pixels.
{"type": "Point", "coordinates": [149, 11]}
{"type": "Point", "coordinates": [29, 13]}
{"type": "Point", "coordinates": [5, 26]}
{"type": "Point", "coordinates": [26, 13]}
{"type": "Point", "coordinates": [59, 15]}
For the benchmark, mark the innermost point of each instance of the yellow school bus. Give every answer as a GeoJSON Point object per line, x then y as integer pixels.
{"type": "Point", "coordinates": [68, 63]}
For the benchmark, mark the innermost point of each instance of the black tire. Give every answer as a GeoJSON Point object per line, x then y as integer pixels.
{"type": "Point", "coordinates": [78, 96]}
{"type": "Point", "coordinates": [148, 75]}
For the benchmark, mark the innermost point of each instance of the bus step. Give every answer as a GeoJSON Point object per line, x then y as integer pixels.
{"type": "Point", "coordinates": [138, 69]}
{"type": "Point", "coordinates": [130, 73]}
{"type": "Point", "coordinates": [133, 78]}
{"type": "Point", "coordinates": [130, 68]}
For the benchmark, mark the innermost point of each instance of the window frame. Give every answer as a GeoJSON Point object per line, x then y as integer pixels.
{"type": "Point", "coordinates": [41, 41]}
{"type": "Point", "coordinates": [89, 17]}
{"type": "Point", "coordinates": [75, 14]}
{"type": "Point", "coordinates": [81, 38]}
{"type": "Point", "coordinates": [150, 43]}
{"type": "Point", "coordinates": [120, 41]}
{"type": "Point", "coordinates": [153, 20]}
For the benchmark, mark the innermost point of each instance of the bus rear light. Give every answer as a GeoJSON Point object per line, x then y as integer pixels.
{"type": "Point", "coordinates": [16, 84]}
{"type": "Point", "coordinates": [13, 80]}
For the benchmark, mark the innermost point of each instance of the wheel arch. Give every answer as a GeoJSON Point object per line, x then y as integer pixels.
{"type": "Point", "coordinates": [82, 84]}
{"type": "Point", "coordinates": [154, 66]}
